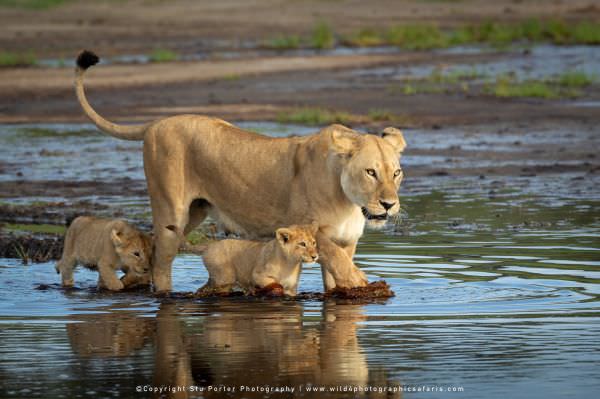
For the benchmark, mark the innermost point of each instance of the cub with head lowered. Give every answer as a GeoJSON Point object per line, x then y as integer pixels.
{"type": "Point", "coordinates": [271, 267]}
{"type": "Point", "coordinates": [106, 245]}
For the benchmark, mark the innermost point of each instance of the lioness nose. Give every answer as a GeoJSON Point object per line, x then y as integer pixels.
{"type": "Point", "coordinates": [314, 257]}
{"type": "Point", "coordinates": [387, 205]}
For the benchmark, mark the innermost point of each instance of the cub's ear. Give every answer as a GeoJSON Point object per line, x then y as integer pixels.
{"type": "Point", "coordinates": [283, 235]}
{"type": "Point", "coordinates": [314, 227]}
{"type": "Point", "coordinates": [395, 138]}
{"type": "Point", "coordinates": [116, 237]}
{"type": "Point", "coordinates": [343, 140]}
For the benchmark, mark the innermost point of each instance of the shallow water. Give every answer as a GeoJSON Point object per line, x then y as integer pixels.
{"type": "Point", "coordinates": [538, 62]}
{"type": "Point", "coordinates": [493, 297]}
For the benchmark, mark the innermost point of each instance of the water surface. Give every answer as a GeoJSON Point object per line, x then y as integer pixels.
{"type": "Point", "coordinates": [493, 298]}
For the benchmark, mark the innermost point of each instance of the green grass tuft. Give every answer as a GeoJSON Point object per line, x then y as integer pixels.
{"type": "Point", "coordinates": [163, 55]}
{"type": "Point", "coordinates": [322, 36]}
{"type": "Point", "coordinates": [314, 116]}
{"type": "Point", "coordinates": [574, 79]}
{"type": "Point", "coordinates": [32, 4]}
{"type": "Point", "coordinates": [365, 38]}
{"type": "Point", "coordinates": [36, 228]}
{"type": "Point", "coordinates": [283, 42]}
{"type": "Point", "coordinates": [417, 37]}
{"type": "Point", "coordinates": [11, 59]}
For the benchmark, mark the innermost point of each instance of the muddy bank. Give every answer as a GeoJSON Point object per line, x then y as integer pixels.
{"type": "Point", "coordinates": [31, 248]}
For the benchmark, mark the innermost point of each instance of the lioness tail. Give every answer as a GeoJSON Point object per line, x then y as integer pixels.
{"type": "Point", "coordinates": [85, 60]}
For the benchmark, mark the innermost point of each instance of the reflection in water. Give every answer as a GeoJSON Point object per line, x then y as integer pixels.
{"type": "Point", "coordinates": [235, 343]}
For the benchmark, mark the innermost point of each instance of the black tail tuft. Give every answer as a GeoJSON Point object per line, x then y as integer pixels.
{"type": "Point", "coordinates": [86, 59]}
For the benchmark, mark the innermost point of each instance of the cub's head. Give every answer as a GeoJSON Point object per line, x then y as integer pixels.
{"type": "Point", "coordinates": [370, 170]}
{"type": "Point", "coordinates": [133, 247]}
{"type": "Point", "coordinates": [298, 242]}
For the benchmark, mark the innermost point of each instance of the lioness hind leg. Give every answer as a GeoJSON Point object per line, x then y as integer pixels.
{"type": "Point", "coordinates": [65, 267]}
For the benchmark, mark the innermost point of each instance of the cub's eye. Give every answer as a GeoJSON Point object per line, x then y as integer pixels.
{"type": "Point", "coordinates": [314, 243]}
{"type": "Point", "coordinates": [302, 244]}
{"type": "Point", "coordinates": [371, 172]}
{"type": "Point", "coordinates": [397, 172]}
{"type": "Point", "coordinates": [137, 254]}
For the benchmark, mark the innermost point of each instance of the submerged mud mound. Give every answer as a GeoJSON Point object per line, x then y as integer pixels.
{"type": "Point", "coordinates": [31, 248]}
{"type": "Point", "coordinates": [377, 290]}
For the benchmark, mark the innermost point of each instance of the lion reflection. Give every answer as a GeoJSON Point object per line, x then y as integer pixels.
{"type": "Point", "coordinates": [234, 343]}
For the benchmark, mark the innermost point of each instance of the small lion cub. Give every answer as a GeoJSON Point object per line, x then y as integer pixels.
{"type": "Point", "coordinates": [260, 266]}
{"type": "Point", "coordinates": [106, 245]}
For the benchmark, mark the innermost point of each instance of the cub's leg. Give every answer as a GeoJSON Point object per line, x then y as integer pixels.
{"type": "Point", "coordinates": [338, 266]}
{"type": "Point", "coordinates": [108, 278]}
{"type": "Point", "coordinates": [65, 267]}
{"type": "Point", "coordinates": [222, 276]}
{"type": "Point", "coordinates": [266, 285]}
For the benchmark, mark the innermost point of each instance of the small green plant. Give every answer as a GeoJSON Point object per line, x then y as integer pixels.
{"type": "Point", "coordinates": [163, 55]}
{"type": "Point", "coordinates": [575, 79]}
{"type": "Point", "coordinates": [21, 253]}
{"type": "Point", "coordinates": [36, 228]}
{"type": "Point", "coordinates": [381, 115]}
{"type": "Point", "coordinates": [508, 86]}
{"type": "Point", "coordinates": [32, 4]}
{"type": "Point", "coordinates": [322, 36]}
{"type": "Point", "coordinates": [11, 59]}
{"type": "Point", "coordinates": [283, 42]}
{"type": "Point", "coordinates": [365, 38]}
{"type": "Point", "coordinates": [417, 37]}
{"type": "Point", "coordinates": [314, 116]}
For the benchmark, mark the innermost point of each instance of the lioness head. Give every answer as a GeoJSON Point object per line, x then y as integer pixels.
{"type": "Point", "coordinates": [371, 172]}
{"type": "Point", "coordinates": [298, 242]}
{"type": "Point", "coordinates": [133, 247]}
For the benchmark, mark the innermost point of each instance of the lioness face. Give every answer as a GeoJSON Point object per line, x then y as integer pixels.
{"type": "Point", "coordinates": [299, 242]}
{"type": "Point", "coordinates": [371, 175]}
{"type": "Point", "coordinates": [134, 250]}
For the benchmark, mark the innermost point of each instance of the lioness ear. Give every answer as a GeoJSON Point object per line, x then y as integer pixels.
{"type": "Point", "coordinates": [283, 235]}
{"type": "Point", "coordinates": [115, 236]}
{"type": "Point", "coordinates": [395, 138]}
{"type": "Point", "coordinates": [344, 141]}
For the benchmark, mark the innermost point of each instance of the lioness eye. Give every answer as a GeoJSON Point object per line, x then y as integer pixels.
{"type": "Point", "coordinates": [397, 172]}
{"type": "Point", "coordinates": [371, 172]}
{"type": "Point", "coordinates": [302, 244]}
{"type": "Point", "coordinates": [136, 254]}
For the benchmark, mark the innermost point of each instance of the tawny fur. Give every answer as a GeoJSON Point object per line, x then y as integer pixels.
{"type": "Point", "coordinates": [252, 265]}
{"type": "Point", "coordinates": [251, 184]}
{"type": "Point", "coordinates": [106, 245]}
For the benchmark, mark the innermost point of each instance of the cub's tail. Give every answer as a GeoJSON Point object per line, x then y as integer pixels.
{"type": "Point", "coordinates": [85, 60]}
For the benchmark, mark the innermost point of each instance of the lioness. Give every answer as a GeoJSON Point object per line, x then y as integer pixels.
{"type": "Point", "coordinates": [106, 245]}
{"type": "Point", "coordinates": [197, 166]}
{"type": "Point", "coordinates": [253, 265]}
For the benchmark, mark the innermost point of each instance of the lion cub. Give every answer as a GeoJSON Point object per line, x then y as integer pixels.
{"type": "Point", "coordinates": [106, 245]}
{"type": "Point", "coordinates": [256, 265]}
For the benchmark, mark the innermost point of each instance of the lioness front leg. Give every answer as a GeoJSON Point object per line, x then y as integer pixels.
{"type": "Point", "coordinates": [337, 267]}
{"type": "Point", "coordinates": [108, 278]}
